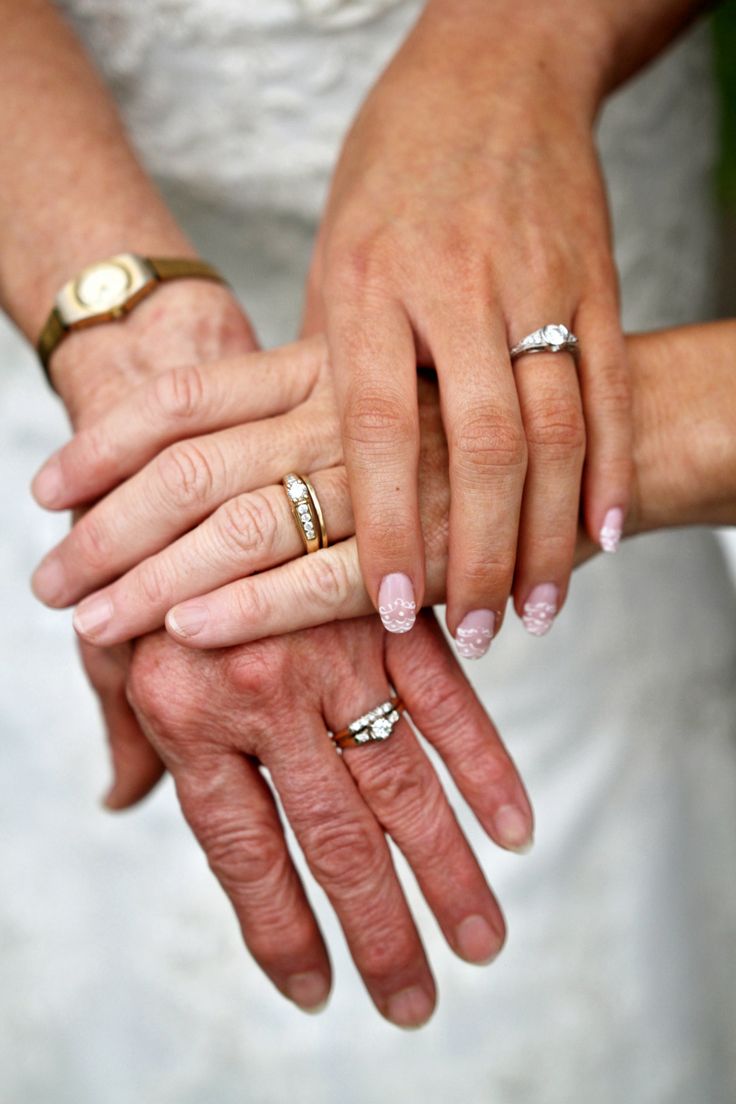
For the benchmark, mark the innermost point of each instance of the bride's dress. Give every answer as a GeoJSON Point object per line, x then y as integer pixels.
{"type": "Point", "coordinates": [122, 975]}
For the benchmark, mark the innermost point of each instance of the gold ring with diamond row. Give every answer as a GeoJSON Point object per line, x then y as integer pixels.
{"type": "Point", "coordinates": [373, 727]}
{"type": "Point", "coordinates": [306, 510]}
{"type": "Point", "coordinates": [552, 338]}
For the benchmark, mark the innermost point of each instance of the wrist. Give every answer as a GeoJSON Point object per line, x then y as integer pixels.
{"type": "Point", "coordinates": [684, 427]}
{"type": "Point", "coordinates": [186, 321]}
{"type": "Point", "coordinates": [570, 46]}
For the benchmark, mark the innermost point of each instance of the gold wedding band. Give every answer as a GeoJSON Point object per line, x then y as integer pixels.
{"type": "Point", "coordinates": [373, 727]}
{"type": "Point", "coordinates": [306, 511]}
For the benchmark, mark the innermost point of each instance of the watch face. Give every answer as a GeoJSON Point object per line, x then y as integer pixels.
{"type": "Point", "coordinates": [103, 286]}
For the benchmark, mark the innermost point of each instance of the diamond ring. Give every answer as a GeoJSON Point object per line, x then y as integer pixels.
{"type": "Point", "coordinates": [553, 338]}
{"type": "Point", "coordinates": [307, 511]}
{"type": "Point", "coordinates": [373, 727]}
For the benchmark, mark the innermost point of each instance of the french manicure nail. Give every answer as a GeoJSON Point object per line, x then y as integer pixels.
{"type": "Point", "coordinates": [47, 485]}
{"type": "Point", "coordinates": [309, 990]}
{"type": "Point", "coordinates": [396, 603]}
{"type": "Point", "coordinates": [512, 829]}
{"type": "Point", "coordinates": [187, 619]}
{"type": "Point", "coordinates": [540, 609]}
{"type": "Point", "coordinates": [49, 580]}
{"type": "Point", "coordinates": [474, 634]}
{"type": "Point", "coordinates": [92, 615]}
{"type": "Point", "coordinates": [410, 1007]}
{"type": "Point", "coordinates": [612, 529]}
{"type": "Point", "coordinates": [476, 940]}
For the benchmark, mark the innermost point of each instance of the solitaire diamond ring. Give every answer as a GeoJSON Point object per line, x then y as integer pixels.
{"type": "Point", "coordinates": [553, 338]}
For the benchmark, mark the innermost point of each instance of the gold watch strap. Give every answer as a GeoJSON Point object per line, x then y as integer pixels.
{"type": "Point", "coordinates": [52, 333]}
{"type": "Point", "coordinates": [176, 268]}
{"type": "Point", "coordinates": [163, 268]}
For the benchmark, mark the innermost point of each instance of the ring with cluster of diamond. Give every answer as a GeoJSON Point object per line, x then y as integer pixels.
{"type": "Point", "coordinates": [373, 727]}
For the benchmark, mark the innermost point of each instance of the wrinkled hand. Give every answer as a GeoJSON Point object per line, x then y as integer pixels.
{"type": "Point", "coordinates": [467, 210]}
{"type": "Point", "coordinates": [215, 718]}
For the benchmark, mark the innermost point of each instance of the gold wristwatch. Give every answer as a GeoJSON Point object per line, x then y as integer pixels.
{"type": "Point", "coordinates": [109, 290]}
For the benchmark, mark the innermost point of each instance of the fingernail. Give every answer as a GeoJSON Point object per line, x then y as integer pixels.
{"type": "Point", "coordinates": [309, 990]}
{"type": "Point", "coordinates": [474, 633]}
{"type": "Point", "coordinates": [410, 1007]}
{"type": "Point", "coordinates": [92, 615]}
{"type": "Point", "coordinates": [49, 580]}
{"type": "Point", "coordinates": [47, 485]}
{"type": "Point", "coordinates": [540, 609]}
{"type": "Point", "coordinates": [612, 529]}
{"type": "Point", "coordinates": [187, 619]}
{"type": "Point", "coordinates": [476, 940]}
{"type": "Point", "coordinates": [396, 603]}
{"type": "Point", "coordinates": [512, 829]}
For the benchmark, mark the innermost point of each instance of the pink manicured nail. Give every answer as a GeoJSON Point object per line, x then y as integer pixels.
{"type": "Point", "coordinates": [92, 615]}
{"type": "Point", "coordinates": [396, 603]}
{"type": "Point", "coordinates": [512, 829]}
{"type": "Point", "coordinates": [187, 619]}
{"type": "Point", "coordinates": [474, 634]}
{"type": "Point", "coordinates": [47, 485]}
{"type": "Point", "coordinates": [540, 609]}
{"type": "Point", "coordinates": [612, 529]}
{"type": "Point", "coordinates": [49, 580]}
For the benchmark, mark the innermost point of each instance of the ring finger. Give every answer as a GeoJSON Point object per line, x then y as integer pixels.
{"type": "Point", "coordinates": [247, 534]}
{"type": "Point", "coordinates": [551, 409]}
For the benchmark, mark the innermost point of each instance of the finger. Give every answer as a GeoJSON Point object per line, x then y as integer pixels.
{"type": "Point", "coordinates": [248, 534]}
{"type": "Point", "coordinates": [551, 408]}
{"type": "Point", "coordinates": [172, 493]}
{"type": "Point", "coordinates": [374, 361]}
{"type": "Point", "coordinates": [606, 389]}
{"type": "Point", "coordinates": [174, 405]}
{"type": "Point", "coordinates": [448, 713]}
{"type": "Point", "coordinates": [313, 590]}
{"type": "Point", "coordinates": [136, 766]}
{"type": "Point", "coordinates": [348, 855]}
{"type": "Point", "coordinates": [233, 815]}
{"type": "Point", "coordinates": [487, 458]}
{"type": "Point", "coordinates": [399, 785]}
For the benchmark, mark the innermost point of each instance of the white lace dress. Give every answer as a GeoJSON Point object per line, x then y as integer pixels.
{"type": "Point", "coordinates": [122, 977]}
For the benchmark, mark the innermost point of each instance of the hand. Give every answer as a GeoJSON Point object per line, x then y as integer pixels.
{"type": "Point", "coordinates": [215, 718]}
{"type": "Point", "coordinates": [467, 210]}
{"type": "Point", "coordinates": [183, 323]}
{"type": "Point", "coordinates": [684, 436]}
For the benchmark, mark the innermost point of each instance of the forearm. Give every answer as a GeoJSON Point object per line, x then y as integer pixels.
{"type": "Point", "coordinates": [72, 188]}
{"type": "Point", "coordinates": [590, 46]}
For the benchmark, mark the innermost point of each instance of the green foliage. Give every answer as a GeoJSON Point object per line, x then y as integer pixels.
{"type": "Point", "coordinates": [724, 35]}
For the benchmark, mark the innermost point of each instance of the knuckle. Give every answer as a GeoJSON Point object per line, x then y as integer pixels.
{"type": "Point", "coordinates": [259, 671]}
{"type": "Point", "coordinates": [179, 392]}
{"type": "Point", "coordinates": [556, 428]}
{"type": "Point", "coordinates": [487, 441]}
{"type": "Point", "coordinates": [154, 582]}
{"type": "Point", "coordinates": [248, 524]}
{"type": "Point", "coordinates": [242, 855]}
{"type": "Point", "coordinates": [187, 473]}
{"type": "Point", "coordinates": [390, 950]}
{"type": "Point", "coordinates": [93, 541]}
{"type": "Point", "coordinates": [340, 852]}
{"type": "Point", "coordinates": [378, 420]}
{"type": "Point", "coordinates": [614, 390]}
{"type": "Point", "coordinates": [401, 788]}
{"type": "Point", "coordinates": [326, 585]}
